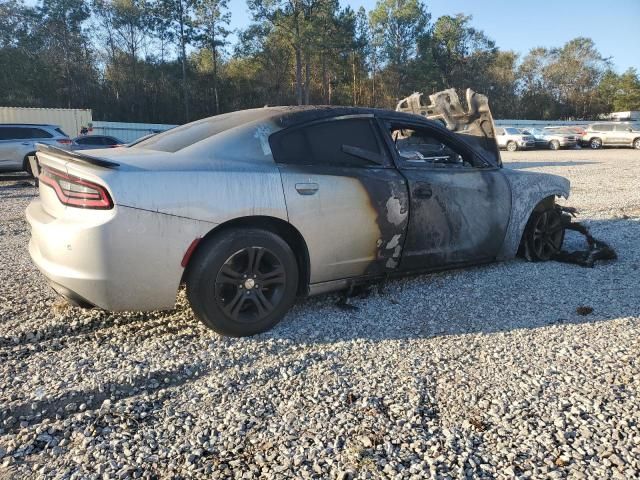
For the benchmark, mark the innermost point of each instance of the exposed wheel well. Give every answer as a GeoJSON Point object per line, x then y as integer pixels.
{"type": "Point", "coordinates": [545, 204]}
{"type": "Point", "coordinates": [283, 229]}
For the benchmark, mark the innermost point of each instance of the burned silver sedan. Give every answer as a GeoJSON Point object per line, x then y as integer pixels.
{"type": "Point", "coordinates": [254, 208]}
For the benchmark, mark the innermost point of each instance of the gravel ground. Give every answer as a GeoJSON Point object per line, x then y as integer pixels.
{"type": "Point", "coordinates": [488, 372]}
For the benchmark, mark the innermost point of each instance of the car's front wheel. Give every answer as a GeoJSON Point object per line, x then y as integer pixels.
{"type": "Point", "coordinates": [543, 235]}
{"type": "Point", "coordinates": [242, 281]}
{"type": "Point", "coordinates": [595, 143]}
{"type": "Point", "coordinates": [554, 145]}
{"type": "Point", "coordinates": [512, 146]}
{"type": "Point", "coordinates": [636, 144]}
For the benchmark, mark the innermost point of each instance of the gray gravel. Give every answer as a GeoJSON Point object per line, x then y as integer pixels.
{"type": "Point", "coordinates": [488, 372]}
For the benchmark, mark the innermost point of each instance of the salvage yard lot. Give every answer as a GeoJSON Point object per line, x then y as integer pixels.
{"type": "Point", "coordinates": [488, 371]}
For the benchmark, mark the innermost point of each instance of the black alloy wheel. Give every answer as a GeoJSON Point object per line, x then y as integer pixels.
{"type": "Point", "coordinates": [544, 235]}
{"type": "Point", "coordinates": [250, 284]}
{"type": "Point", "coordinates": [242, 281]}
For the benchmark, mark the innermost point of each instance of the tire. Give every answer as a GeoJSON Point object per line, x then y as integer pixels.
{"type": "Point", "coordinates": [225, 281]}
{"type": "Point", "coordinates": [554, 145]}
{"type": "Point", "coordinates": [636, 143]}
{"type": "Point", "coordinates": [595, 143]}
{"type": "Point", "coordinates": [512, 146]}
{"type": "Point", "coordinates": [543, 235]}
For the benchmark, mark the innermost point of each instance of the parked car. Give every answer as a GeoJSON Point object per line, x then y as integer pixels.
{"type": "Point", "coordinates": [611, 134]}
{"type": "Point", "coordinates": [512, 139]}
{"type": "Point", "coordinates": [576, 130]}
{"type": "Point", "coordinates": [554, 139]}
{"type": "Point", "coordinates": [253, 208]}
{"type": "Point", "coordinates": [18, 143]}
{"type": "Point", "coordinates": [89, 142]}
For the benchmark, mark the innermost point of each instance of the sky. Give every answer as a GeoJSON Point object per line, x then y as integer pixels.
{"type": "Point", "coordinates": [521, 25]}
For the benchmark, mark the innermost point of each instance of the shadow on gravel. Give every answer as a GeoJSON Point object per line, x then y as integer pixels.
{"type": "Point", "coordinates": [524, 165]}
{"type": "Point", "coordinates": [69, 403]}
{"type": "Point", "coordinates": [138, 328]}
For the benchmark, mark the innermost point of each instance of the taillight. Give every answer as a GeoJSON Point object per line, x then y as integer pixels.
{"type": "Point", "coordinates": [74, 191]}
{"type": "Point", "coordinates": [64, 141]}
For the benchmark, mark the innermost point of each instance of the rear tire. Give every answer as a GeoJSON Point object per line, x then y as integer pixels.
{"type": "Point", "coordinates": [595, 143]}
{"type": "Point", "coordinates": [636, 143]}
{"type": "Point", "coordinates": [512, 146]}
{"type": "Point", "coordinates": [543, 235]}
{"type": "Point", "coordinates": [554, 145]}
{"type": "Point", "coordinates": [242, 281]}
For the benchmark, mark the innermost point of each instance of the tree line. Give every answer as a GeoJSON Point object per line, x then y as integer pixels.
{"type": "Point", "coordinates": [171, 61]}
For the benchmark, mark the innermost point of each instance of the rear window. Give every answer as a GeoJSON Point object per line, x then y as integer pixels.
{"type": "Point", "coordinates": [40, 133]}
{"type": "Point", "coordinates": [186, 135]}
{"type": "Point", "coordinates": [90, 141]}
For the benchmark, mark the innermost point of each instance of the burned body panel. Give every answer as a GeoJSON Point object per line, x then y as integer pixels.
{"type": "Point", "coordinates": [528, 189]}
{"type": "Point", "coordinates": [354, 221]}
{"type": "Point", "coordinates": [461, 219]}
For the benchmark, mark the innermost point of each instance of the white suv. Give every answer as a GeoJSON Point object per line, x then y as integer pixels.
{"type": "Point", "coordinates": [513, 139]}
{"type": "Point", "coordinates": [611, 134]}
{"type": "Point", "coordinates": [17, 143]}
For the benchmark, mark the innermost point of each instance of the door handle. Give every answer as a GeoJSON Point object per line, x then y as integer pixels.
{"type": "Point", "coordinates": [26, 143]}
{"type": "Point", "coordinates": [307, 188]}
{"type": "Point", "coordinates": [423, 191]}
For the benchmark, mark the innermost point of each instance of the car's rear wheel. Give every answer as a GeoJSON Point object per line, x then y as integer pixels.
{"type": "Point", "coordinates": [554, 145]}
{"type": "Point", "coordinates": [242, 281]}
{"type": "Point", "coordinates": [595, 143]}
{"type": "Point", "coordinates": [543, 235]}
{"type": "Point", "coordinates": [636, 144]}
{"type": "Point", "coordinates": [512, 146]}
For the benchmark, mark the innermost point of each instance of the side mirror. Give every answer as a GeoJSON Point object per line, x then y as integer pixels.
{"type": "Point", "coordinates": [368, 155]}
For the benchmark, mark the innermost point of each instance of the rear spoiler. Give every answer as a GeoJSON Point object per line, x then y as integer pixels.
{"type": "Point", "coordinates": [75, 156]}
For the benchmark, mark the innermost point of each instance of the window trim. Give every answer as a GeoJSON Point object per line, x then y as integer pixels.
{"type": "Point", "coordinates": [383, 149]}
{"type": "Point", "coordinates": [446, 137]}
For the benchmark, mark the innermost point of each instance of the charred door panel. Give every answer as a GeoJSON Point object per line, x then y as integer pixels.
{"type": "Point", "coordinates": [353, 219]}
{"type": "Point", "coordinates": [457, 216]}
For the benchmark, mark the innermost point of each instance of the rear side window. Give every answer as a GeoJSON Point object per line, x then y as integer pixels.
{"type": "Point", "coordinates": [40, 133]}
{"type": "Point", "coordinates": [60, 131]}
{"type": "Point", "coordinates": [325, 144]}
{"type": "Point", "coordinates": [15, 133]}
{"type": "Point", "coordinates": [603, 128]}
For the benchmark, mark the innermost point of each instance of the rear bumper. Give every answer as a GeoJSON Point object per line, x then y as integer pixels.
{"type": "Point", "coordinates": [121, 259]}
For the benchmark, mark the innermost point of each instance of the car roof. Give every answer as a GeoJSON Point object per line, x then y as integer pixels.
{"type": "Point", "coordinates": [287, 116]}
